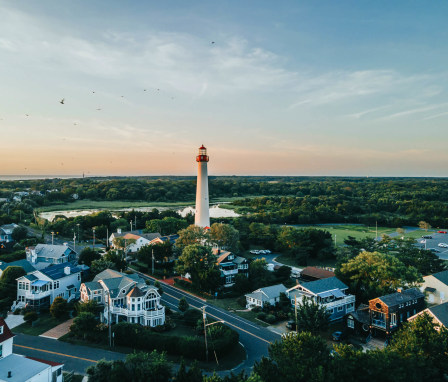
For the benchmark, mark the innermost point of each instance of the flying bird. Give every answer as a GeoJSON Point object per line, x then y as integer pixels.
{"type": "Point", "coordinates": [144, 90]}
{"type": "Point", "coordinates": [93, 92]}
{"type": "Point", "coordinates": [27, 115]}
{"type": "Point", "coordinates": [213, 42]}
{"type": "Point", "coordinates": [98, 108]}
{"type": "Point", "coordinates": [62, 101]}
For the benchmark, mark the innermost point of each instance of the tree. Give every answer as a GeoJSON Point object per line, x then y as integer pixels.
{"type": "Point", "coordinates": [296, 358]}
{"type": "Point", "coordinates": [259, 275]}
{"type": "Point", "coordinates": [30, 316]}
{"type": "Point", "coordinates": [424, 225]}
{"type": "Point", "coordinates": [100, 265]}
{"type": "Point", "coordinates": [8, 287]}
{"type": "Point", "coordinates": [242, 284]}
{"type": "Point", "coordinates": [311, 316]}
{"type": "Point", "coordinates": [373, 274]}
{"type": "Point", "coordinates": [90, 306]}
{"type": "Point", "coordinates": [88, 255]}
{"type": "Point", "coordinates": [183, 304]}
{"type": "Point", "coordinates": [426, 262]}
{"type": "Point", "coordinates": [224, 236]}
{"type": "Point", "coordinates": [19, 233]}
{"type": "Point", "coordinates": [283, 273]}
{"type": "Point", "coordinates": [166, 226]}
{"type": "Point", "coordinates": [200, 264]}
{"type": "Point", "coordinates": [84, 324]}
{"type": "Point", "coordinates": [59, 308]}
{"type": "Point", "coordinates": [123, 244]}
{"type": "Point", "coordinates": [192, 235]}
{"type": "Point", "coordinates": [117, 258]}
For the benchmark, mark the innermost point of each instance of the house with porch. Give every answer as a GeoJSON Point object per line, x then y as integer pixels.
{"type": "Point", "coordinates": [141, 239]}
{"type": "Point", "coordinates": [38, 289]}
{"type": "Point", "coordinates": [265, 295]}
{"type": "Point", "coordinates": [125, 298]}
{"type": "Point", "coordinates": [230, 265]}
{"type": "Point", "coordinates": [387, 313]}
{"type": "Point", "coordinates": [18, 368]}
{"type": "Point", "coordinates": [44, 255]}
{"type": "Point", "coordinates": [331, 293]}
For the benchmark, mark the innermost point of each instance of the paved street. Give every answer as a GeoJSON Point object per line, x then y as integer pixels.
{"type": "Point", "coordinates": [254, 338]}
{"type": "Point", "coordinates": [75, 357]}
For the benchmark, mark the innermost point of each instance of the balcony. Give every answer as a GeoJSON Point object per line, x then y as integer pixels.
{"type": "Point", "coordinates": [156, 313]}
{"type": "Point", "coordinates": [229, 272]}
{"type": "Point", "coordinates": [343, 301]}
{"type": "Point", "coordinates": [35, 295]}
{"type": "Point", "coordinates": [379, 323]}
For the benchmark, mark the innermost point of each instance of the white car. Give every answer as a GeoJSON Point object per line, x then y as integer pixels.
{"type": "Point", "coordinates": [443, 245]}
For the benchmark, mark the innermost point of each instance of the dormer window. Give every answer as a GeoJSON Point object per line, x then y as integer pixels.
{"type": "Point", "coordinates": [123, 291]}
{"type": "Point", "coordinates": [1, 329]}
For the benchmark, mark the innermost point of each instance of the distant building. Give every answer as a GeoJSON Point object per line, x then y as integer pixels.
{"type": "Point", "coordinates": [141, 239]}
{"type": "Point", "coordinates": [6, 232]}
{"type": "Point", "coordinates": [436, 287]}
{"type": "Point", "coordinates": [38, 289]}
{"type": "Point", "coordinates": [125, 298]}
{"type": "Point", "coordinates": [265, 295]}
{"type": "Point", "coordinates": [315, 273]}
{"type": "Point", "coordinates": [230, 265]}
{"type": "Point", "coordinates": [439, 314]}
{"type": "Point", "coordinates": [18, 368]}
{"type": "Point", "coordinates": [44, 255]}
{"type": "Point", "coordinates": [387, 313]}
{"type": "Point", "coordinates": [25, 264]}
{"type": "Point", "coordinates": [331, 293]}
{"type": "Point", "coordinates": [202, 212]}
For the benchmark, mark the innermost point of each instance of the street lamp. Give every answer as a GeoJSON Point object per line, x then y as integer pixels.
{"type": "Point", "coordinates": [78, 232]}
{"type": "Point", "coordinates": [93, 229]}
{"type": "Point", "coordinates": [52, 237]}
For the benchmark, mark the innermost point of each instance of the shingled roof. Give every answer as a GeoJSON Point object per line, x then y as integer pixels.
{"type": "Point", "coordinates": [401, 297]}
{"type": "Point", "coordinates": [442, 276]}
{"type": "Point", "coordinates": [6, 334]}
{"type": "Point", "coordinates": [135, 292]}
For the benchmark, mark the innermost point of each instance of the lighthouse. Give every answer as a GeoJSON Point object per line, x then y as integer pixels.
{"type": "Point", "coordinates": [202, 217]}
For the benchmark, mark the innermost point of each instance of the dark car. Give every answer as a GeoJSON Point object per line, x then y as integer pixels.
{"type": "Point", "coordinates": [291, 325]}
{"type": "Point", "coordinates": [426, 237]}
{"type": "Point", "coordinates": [338, 336]}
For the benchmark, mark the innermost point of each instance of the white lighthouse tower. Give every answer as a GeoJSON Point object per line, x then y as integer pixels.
{"type": "Point", "coordinates": [202, 217]}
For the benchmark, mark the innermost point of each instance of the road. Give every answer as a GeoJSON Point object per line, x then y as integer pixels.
{"type": "Point", "coordinates": [253, 337]}
{"type": "Point", "coordinates": [74, 357]}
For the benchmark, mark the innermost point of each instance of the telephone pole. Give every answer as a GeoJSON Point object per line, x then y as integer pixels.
{"type": "Point", "coordinates": [204, 318]}
{"type": "Point", "coordinates": [152, 252]}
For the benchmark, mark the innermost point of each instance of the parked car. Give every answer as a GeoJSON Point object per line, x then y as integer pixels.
{"type": "Point", "coordinates": [441, 231]}
{"type": "Point", "coordinates": [338, 336]}
{"type": "Point", "coordinates": [291, 325]}
{"type": "Point", "coordinates": [426, 237]}
{"type": "Point", "coordinates": [434, 250]}
{"type": "Point", "coordinates": [443, 245]}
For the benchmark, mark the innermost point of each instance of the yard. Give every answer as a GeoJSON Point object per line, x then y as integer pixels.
{"type": "Point", "coordinates": [44, 323]}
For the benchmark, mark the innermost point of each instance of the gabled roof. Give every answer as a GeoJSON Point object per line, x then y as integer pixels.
{"type": "Point", "coordinates": [25, 264]}
{"type": "Point", "coordinates": [116, 281]}
{"type": "Point", "coordinates": [29, 277]}
{"type": "Point", "coordinates": [131, 236]}
{"type": "Point", "coordinates": [401, 297]}
{"type": "Point", "coordinates": [267, 293]}
{"type": "Point", "coordinates": [442, 276]}
{"type": "Point", "coordinates": [317, 273]}
{"type": "Point", "coordinates": [151, 236]}
{"type": "Point", "coordinates": [52, 251]}
{"type": "Point", "coordinates": [223, 256]}
{"type": "Point", "coordinates": [239, 260]}
{"type": "Point", "coordinates": [7, 334]}
{"type": "Point", "coordinates": [135, 292]}
{"type": "Point", "coordinates": [324, 285]}
{"type": "Point", "coordinates": [441, 313]}
{"type": "Point", "coordinates": [93, 285]}
{"type": "Point", "coordinates": [56, 271]}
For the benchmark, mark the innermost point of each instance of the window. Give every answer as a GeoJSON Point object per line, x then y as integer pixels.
{"type": "Point", "coordinates": [340, 308]}
{"type": "Point", "coordinates": [393, 319]}
{"type": "Point", "coordinates": [331, 311]}
{"type": "Point", "coordinates": [1, 351]}
{"type": "Point", "coordinates": [133, 307]}
{"type": "Point", "coordinates": [56, 284]}
{"type": "Point", "coordinates": [351, 323]}
{"type": "Point", "coordinates": [1, 329]}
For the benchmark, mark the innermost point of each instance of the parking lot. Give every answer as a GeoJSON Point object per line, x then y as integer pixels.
{"type": "Point", "coordinates": [434, 243]}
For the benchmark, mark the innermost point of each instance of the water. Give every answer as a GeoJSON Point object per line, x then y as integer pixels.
{"type": "Point", "coordinates": [215, 212]}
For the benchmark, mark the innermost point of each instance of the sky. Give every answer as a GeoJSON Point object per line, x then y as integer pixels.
{"type": "Point", "coordinates": [345, 88]}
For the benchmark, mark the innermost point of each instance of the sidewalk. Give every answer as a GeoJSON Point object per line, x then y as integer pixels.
{"type": "Point", "coordinates": [14, 320]}
{"type": "Point", "coordinates": [58, 331]}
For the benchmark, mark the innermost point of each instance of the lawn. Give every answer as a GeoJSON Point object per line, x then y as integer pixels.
{"type": "Point", "coordinates": [231, 305]}
{"type": "Point", "coordinates": [44, 323]}
{"type": "Point", "coordinates": [284, 259]}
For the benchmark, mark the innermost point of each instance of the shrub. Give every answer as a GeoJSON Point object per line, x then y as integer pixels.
{"type": "Point", "coordinates": [59, 308]}
{"type": "Point", "coordinates": [256, 309]}
{"type": "Point", "coordinates": [242, 301]}
{"type": "Point", "coordinates": [270, 319]}
{"type": "Point", "coordinates": [191, 317]}
{"type": "Point", "coordinates": [261, 316]}
{"type": "Point", "coordinates": [183, 305]}
{"type": "Point", "coordinates": [30, 316]}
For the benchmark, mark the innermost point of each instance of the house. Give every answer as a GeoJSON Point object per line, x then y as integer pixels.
{"type": "Point", "coordinates": [265, 295]}
{"type": "Point", "coordinates": [38, 289]}
{"type": "Point", "coordinates": [439, 314]}
{"type": "Point", "coordinates": [436, 287]}
{"type": "Point", "coordinates": [230, 265]}
{"type": "Point", "coordinates": [331, 293]}
{"type": "Point", "coordinates": [18, 368]}
{"type": "Point", "coordinates": [18, 196]}
{"type": "Point", "coordinates": [163, 239]}
{"type": "Point", "coordinates": [141, 239]}
{"type": "Point", "coordinates": [358, 321]}
{"type": "Point", "coordinates": [44, 255]}
{"type": "Point", "coordinates": [6, 232]}
{"type": "Point", "coordinates": [25, 264]}
{"type": "Point", "coordinates": [388, 312]}
{"type": "Point", "coordinates": [125, 298]}
{"type": "Point", "coordinates": [315, 273]}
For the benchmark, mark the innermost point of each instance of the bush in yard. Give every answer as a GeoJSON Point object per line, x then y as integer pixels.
{"type": "Point", "coordinates": [59, 308]}
{"type": "Point", "coordinates": [256, 309]}
{"type": "Point", "coordinates": [191, 317]}
{"type": "Point", "coordinates": [183, 304]}
{"type": "Point", "coordinates": [270, 319]}
{"type": "Point", "coordinates": [261, 316]}
{"type": "Point", "coordinates": [30, 316]}
{"type": "Point", "coordinates": [242, 301]}
{"type": "Point", "coordinates": [86, 326]}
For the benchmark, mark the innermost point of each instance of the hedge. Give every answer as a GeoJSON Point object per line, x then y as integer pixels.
{"type": "Point", "coordinates": [136, 336]}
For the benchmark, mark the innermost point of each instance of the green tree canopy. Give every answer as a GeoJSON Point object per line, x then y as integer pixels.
{"type": "Point", "coordinates": [224, 236]}
{"type": "Point", "coordinates": [59, 308]}
{"type": "Point", "coordinates": [88, 255]}
{"type": "Point", "coordinates": [311, 316]}
{"type": "Point", "coordinates": [192, 235]}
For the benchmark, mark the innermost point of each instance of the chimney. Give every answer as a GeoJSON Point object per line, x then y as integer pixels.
{"type": "Point", "coordinates": [9, 374]}
{"type": "Point", "coordinates": [67, 270]}
{"type": "Point", "coordinates": [119, 230]}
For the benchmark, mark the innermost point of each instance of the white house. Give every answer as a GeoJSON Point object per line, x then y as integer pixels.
{"type": "Point", "coordinates": [125, 298]}
{"type": "Point", "coordinates": [18, 368]}
{"type": "Point", "coordinates": [331, 293]}
{"type": "Point", "coordinates": [39, 288]}
{"type": "Point", "coordinates": [141, 239]}
{"type": "Point", "coordinates": [265, 295]}
{"type": "Point", "coordinates": [44, 255]}
{"type": "Point", "coordinates": [6, 232]}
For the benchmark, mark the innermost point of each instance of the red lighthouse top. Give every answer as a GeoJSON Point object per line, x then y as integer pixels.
{"type": "Point", "coordinates": [202, 157]}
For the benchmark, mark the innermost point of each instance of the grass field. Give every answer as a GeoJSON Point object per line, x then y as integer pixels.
{"type": "Point", "coordinates": [45, 323]}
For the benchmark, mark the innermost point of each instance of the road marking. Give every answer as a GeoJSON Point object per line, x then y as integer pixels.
{"type": "Point", "coordinates": [53, 352]}
{"type": "Point", "coordinates": [219, 318]}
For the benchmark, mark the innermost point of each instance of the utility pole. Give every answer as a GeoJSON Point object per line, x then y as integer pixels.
{"type": "Point", "coordinates": [376, 230]}
{"type": "Point", "coordinates": [74, 242]}
{"type": "Point", "coordinates": [109, 319]}
{"type": "Point", "coordinates": [152, 252]}
{"type": "Point", "coordinates": [335, 240]}
{"type": "Point", "coordinates": [135, 223]}
{"type": "Point", "coordinates": [93, 229]}
{"type": "Point", "coordinates": [295, 309]}
{"type": "Point", "coordinates": [52, 237]}
{"type": "Point", "coordinates": [204, 317]}
{"type": "Point", "coordinates": [107, 238]}
{"type": "Point", "coordinates": [131, 224]}
{"type": "Point", "coordinates": [78, 231]}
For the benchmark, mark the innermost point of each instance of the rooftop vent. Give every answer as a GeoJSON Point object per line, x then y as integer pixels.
{"type": "Point", "coordinates": [67, 270]}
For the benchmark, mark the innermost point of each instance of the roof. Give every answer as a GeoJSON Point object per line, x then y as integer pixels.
{"type": "Point", "coordinates": [362, 314]}
{"type": "Point", "coordinates": [171, 238]}
{"type": "Point", "coordinates": [21, 368]}
{"type": "Point", "coordinates": [318, 273]}
{"type": "Point", "coordinates": [8, 228]}
{"type": "Point", "coordinates": [93, 285]}
{"type": "Point", "coordinates": [267, 293]}
{"type": "Point", "coordinates": [116, 281]}
{"type": "Point", "coordinates": [400, 297]}
{"type": "Point", "coordinates": [30, 277]}
{"type": "Point", "coordinates": [324, 285]}
{"type": "Point", "coordinates": [25, 264]}
{"type": "Point", "coordinates": [135, 292]}
{"type": "Point", "coordinates": [151, 236]}
{"type": "Point", "coordinates": [442, 276]}
{"type": "Point", "coordinates": [51, 363]}
{"type": "Point", "coordinates": [223, 256]}
{"type": "Point", "coordinates": [52, 251]}
{"type": "Point", "coordinates": [7, 334]}
{"type": "Point", "coordinates": [441, 313]}
{"type": "Point", "coordinates": [55, 272]}
{"type": "Point", "coordinates": [239, 260]}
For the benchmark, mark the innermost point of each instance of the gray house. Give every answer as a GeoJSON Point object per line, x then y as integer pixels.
{"type": "Point", "coordinates": [265, 295]}
{"type": "Point", "coordinates": [44, 255]}
{"type": "Point", "coordinates": [6, 232]}
{"type": "Point", "coordinates": [25, 264]}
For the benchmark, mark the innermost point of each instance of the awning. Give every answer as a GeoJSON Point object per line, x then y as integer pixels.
{"type": "Point", "coordinates": [71, 286]}
{"type": "Point", "coordinates": [338, 294]}
{"type": "Point", "coordinates": [39, 283]}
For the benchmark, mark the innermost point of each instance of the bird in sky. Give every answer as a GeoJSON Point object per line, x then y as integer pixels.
{"type": "Point", "coordinates": [93, 92]}
{"type": "Point", "coordinates": [62, 101]}
{"type": "Point", "coordinates": [27, 115]}
{"type": "Point", "coordinates": [144, 90]}
{"type": "Point", "coordinates": [98, 108]}
{"type": "Point", "coordinates": [213, 42]}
